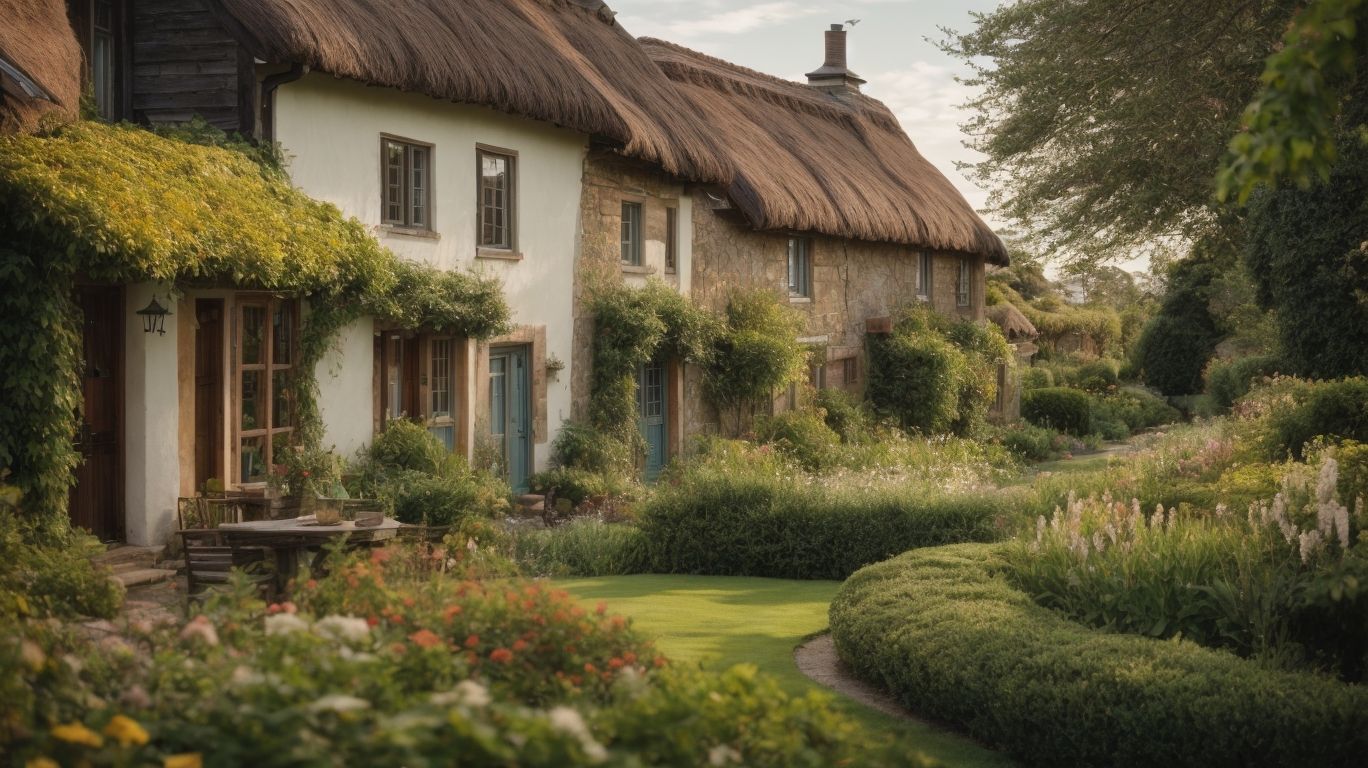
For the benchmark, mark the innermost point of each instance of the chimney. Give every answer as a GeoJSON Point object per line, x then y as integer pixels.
{"type": "Point", "coordinates": [833, 76]}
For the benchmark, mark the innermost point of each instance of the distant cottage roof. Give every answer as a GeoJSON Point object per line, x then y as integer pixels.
{"type": "Point", "coordinates": [1014, 324]}
{"type": "Point", "coordinates": [811, 161]}
{"type": "Point", "coordinates": [560, 61]}
{"type": "Point", "coordinates": [40, 63]}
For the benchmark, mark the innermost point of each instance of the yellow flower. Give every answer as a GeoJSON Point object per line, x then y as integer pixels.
{"type": "Point", "coordinates": [76, 733]}
{"type": "Point", "coordinates": [126, 731]}
{"type": "Point", "coordinates": [186, 760]}
{"type": "Point", "coordinates": [41, 762]}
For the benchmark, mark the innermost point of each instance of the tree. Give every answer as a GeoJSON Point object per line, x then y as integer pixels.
{"type": "Point", "coordinates": [1177, 342]}
{"type": "Point", "coordinates": [1103, 122]}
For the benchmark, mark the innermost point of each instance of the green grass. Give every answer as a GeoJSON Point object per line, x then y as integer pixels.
{"type": "Point", "coordinates": [719, 621]}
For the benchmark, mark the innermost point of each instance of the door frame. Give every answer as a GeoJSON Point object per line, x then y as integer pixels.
{"type": "Point", "coordinates": [666, 401]}
{"type": "Point", "coordinates": [217, 439]}
{"type": "Point", "coordinates": [120, 523]}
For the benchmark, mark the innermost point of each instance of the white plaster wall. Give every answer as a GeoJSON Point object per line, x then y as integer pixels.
{"type": "Point", "coordinates": [330, 130]}
{"type": "Point", "coordinates": [344, 389]}
{"type": "Point", "coordinates": [151, 460]}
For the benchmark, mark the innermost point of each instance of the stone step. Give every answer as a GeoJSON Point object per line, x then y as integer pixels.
{"type": "Point", "coordinates": [141, 576]}
{"type": "Point", "coordinates": [532, 502]}
{"type": "Point", "coordinates": [145, 557]}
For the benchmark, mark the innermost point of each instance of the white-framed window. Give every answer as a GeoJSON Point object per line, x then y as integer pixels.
{"type": "Point", "coordinates": [631, 233]}
{"type": "Point", "coordinates": [924, 275]}
{"type": "Point", "coordinates": [498, 198]}
{"type": "Point", "coordinates": [407, 176]}
{"type": "Point", "coordinates": [799, 268]}
{"type": "Point", "coordinates": [963, 283]}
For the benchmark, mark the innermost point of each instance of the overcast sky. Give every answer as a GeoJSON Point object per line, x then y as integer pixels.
{"type": "Point", "coordinates": [892, 47]}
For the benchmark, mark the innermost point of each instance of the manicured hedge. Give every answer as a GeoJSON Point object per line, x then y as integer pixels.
{"type": "Point", "coordinates": [760, 526]}
{"type": "Point", "coordinates": [1061, 408]}
{"type": "Point", "coordinates": [952, 640]}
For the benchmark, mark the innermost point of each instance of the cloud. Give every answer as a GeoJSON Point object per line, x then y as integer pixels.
{"type": "Point", "coordinates": [713, 20]}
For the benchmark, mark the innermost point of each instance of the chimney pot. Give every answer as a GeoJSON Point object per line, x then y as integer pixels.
{"type": "Point", "coordinates": [834, 76]}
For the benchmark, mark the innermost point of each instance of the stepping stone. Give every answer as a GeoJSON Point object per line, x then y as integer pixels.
{"type": "Point", "coordinates": [139, 576]}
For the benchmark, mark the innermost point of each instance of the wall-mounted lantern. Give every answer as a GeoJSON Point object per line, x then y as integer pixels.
{"type": "Point", "coordinates": [154, 316]}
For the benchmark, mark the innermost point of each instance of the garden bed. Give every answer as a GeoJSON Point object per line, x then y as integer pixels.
{"type": "Point", "coordinates": [951, 639]}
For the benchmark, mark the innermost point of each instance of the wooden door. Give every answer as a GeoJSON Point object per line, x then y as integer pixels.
{"type": "Point", "coordinates": [96, 500]}
{"type": "Point", "coordinates": [651, 407]}
{"type": "Point", "coordinates": [208, 392]}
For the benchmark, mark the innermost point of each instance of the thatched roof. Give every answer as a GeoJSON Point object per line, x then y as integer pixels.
{"type": "Point", "coordinates": [561, 61]}
{"type": "Point", "coordinates": [40, 63]}
{"type": "Point", "coordinates": [811, 161]}
{"type": "Point", "coordinates": [1013, 323]}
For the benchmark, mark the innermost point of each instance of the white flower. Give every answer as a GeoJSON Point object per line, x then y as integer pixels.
{"type": "Point", "coordinates": [1310, 542]}
{"type": "Point", "coordinates": [723, 754]}
{"type": "Point", "coordinates": [246, 676]}
{"type": "Point", "coordinates": [200, 628]}
{"type": "Point", "coordinates": [284, 624]}
{"type": "Point", "coordinates": [348, 628]}
{"type": "Point", "coordinates": [471, 694]}
{"type": "Point", "coordinates": [569, 721]}
{"type": "Point", "coordinates": [339, 702]}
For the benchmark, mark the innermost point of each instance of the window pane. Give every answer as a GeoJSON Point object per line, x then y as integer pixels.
{"type": "Point", "coordinates": [282, 400]}
{"type": "Point", "coordinates": [394, 379]}
{"type": "Point", "coordinates": [282, 334]}
{"type": "Point", "coordinates": [671, 237]}
{"type": "Point", "coordinates": [440, 376]}
{"type": "Point", "coordinates": [253, 400]}
{"type": "Point", "coordinates": [418, 173]}
{"type": "Point", "coordinates": [394, 182]}
{"type": "Point", "coordinates": [495, 183]}
{"type": "Point", "coordinates": [631, 233]}
{"type": "Point", "coordinates": [252, 465]}
{"type": "Point", "coordinates": [253, 334]}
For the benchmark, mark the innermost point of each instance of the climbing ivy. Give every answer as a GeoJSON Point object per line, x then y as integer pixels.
{"type": "Point", "coordinates": [118, 204]}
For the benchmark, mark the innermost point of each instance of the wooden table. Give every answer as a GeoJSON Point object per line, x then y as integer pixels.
{"type": "Point", "coordinates": [288, 539]}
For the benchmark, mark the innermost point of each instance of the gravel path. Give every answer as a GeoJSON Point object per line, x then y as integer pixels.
{"type": "Point", "coordinates": [818, 660]}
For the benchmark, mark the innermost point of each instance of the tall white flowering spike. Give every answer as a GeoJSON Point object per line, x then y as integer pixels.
{"type": "Point", "coordinates": [1309, 544]}
{"type": "Point", "coordinates": [1040, 529]}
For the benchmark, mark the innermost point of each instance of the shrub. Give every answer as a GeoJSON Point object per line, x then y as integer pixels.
{"type": "Point", "coordinates": [584, 547]}
{"type": "Point", "coordinates": [914, 378]}
{"type": "Point", "coordinates": [1230, 380]}
{"type": "Point", "coordinates": [574, 485]}
{"type": "Point", "coordinates": [1098, 375]}
{"type": "Point", "coordinates": [741, 524]}
{"type": "Point", "coordinates": [431, 499]}
{"type": "Point", "coordinates": [754, 354]}
{"type": "Point", "coordinates": [49, 572]}
{"type": "Point", "coordinates": [581, 446]}
{"type": "Point", "coordinates": [1336, 409]}
{"type": "Point", "coordinates": [845, 414]}
{"type": "Point", "coordinates": [1036, 377]}
{"type": "Point", "coordinates": [1067, 410]}
{"type": "Point", "coordinates": [952, 640]}
{"type": "Point", "coordinates": [1032, 443]}
{"type": "Point", "coordinates": [801, 435]}
{"type": "Point", "coordinates": [407, 445]}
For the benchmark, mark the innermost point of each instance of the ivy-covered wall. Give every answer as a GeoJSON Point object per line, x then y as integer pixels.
{"type": "Point", "coordinates": [117, 204]}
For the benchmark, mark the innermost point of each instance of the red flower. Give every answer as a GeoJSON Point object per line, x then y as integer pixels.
{"type": "Point", "coordinates": [472, 641]}
{"type": "Point", "coordinates": [373, 620]}
{"type": "Point", "coordinates": [615, 663]}
{"type": "Point", "coordinates": [601, 608]}
{"type": "Point", "coordinates": [451, 612]}
{"type": "Point", "coordinates": [519, 645]}
{"type": "Point", "coordinates": [500, 655]}
{"type": "Point", "coordinates": [425, 638]}
{"type": "Point", "coordinates": [311, 584]}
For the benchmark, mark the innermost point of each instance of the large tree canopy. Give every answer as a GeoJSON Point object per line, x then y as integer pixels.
{"type": "Point", "coordinates": [1104, 122]}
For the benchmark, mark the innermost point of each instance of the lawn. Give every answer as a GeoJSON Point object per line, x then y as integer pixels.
{"type": "Point", "coordinates": [719, 621]}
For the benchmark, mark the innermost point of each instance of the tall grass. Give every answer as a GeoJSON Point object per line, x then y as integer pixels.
{"type": "Point", "coordinates": [585, 547]}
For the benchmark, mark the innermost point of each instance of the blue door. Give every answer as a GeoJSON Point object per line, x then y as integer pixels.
{"type": "Point", "coordinates": [651, 406]}
{"type": "Point", "coordinates": [510, 412]}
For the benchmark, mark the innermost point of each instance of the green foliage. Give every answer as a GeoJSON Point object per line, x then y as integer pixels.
{"type": "Point", "coordinates": [755, 353]}
{"type": "Point", "coordinates": [583, 547]}
{"type": "Point", "coordinates": [575, 485]}
{"type": "Point", "coordinates": [1288, 129]}
{"type": "Point", "coordinates": [580, 446]}
{"type": "Point", "coordinates": [407, 445]}
{"type": "Point", "coordinates": [803, 436]}
{"type": "Point", "coordinates": [1099, 375]}
{"type": "Point", "coordinates": [1074, 111]}
{"type": "Point", "coordinates": [1334, 409]}
{"type": "Point", "coordinates": [408, 467]}
{"type": "Point", "coordinates": [1229, 380]}
{"type": "Point", "coordinates": [953, 640]}
{"type": "Point", "coordinates": [1036, 377]}
{"type": "Point", "coordinates": [1055, 319]}
{"type": "Point", "coordinates": [1032, 443]}
{"type": "Point", "coordinates": [748, 523]}
{"type": "Point", "coordinates": [1061, 408]}
{"type": "Point", "coordinates": [1175, 345]}
{"type": "Point", "coordinates": [119, 204]}
{"type": "Point", "coordinates": [843, 413]}
{"type": "Point", "coordinates": [50, 574]}
{"type": "Point", "coordinates": [935, 374]}
{"type": "Point", "coordinates": [1119, 413]}
{"type": "Point", "coordinates": [1305, 253]}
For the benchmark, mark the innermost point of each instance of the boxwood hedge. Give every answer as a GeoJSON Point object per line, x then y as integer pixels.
{"type": "Point", "coordinates": [767, 526]}
{"type": "Point", "coordinates": [951, 639]}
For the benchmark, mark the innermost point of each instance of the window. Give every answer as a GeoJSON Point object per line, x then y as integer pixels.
{"type": "Point", "coordinates": [417, 376]}
{"type": "Point", "coordinates": [631, 234]}
{"type": "Point", "coordinates": [924, 275]}
{"type": "Point", "coordinates": [497, 198]}
{"type": "Point", "coordinates": [408, 184]}
{"type": "Point", "coordinates": [265, 398]}
{"type": "Point", "coordinates": [671, 239]}
{"type": "Point", "coordinates": [817, 376]}
{"type": "Point", "coordinates": [100, 27]}
{"type": "Point", "coordinates": [962, 284]}
{"type": "Point", "coordinates": [441, 413]}
{"type": "Point", "coordinates": [799, 268]}
{"type": "Point", "coordinates": [850, 370]}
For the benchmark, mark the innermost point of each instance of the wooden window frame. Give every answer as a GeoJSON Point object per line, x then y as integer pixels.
{"type": "Point", "coordinates": [850, 370]}
{"type": "Point", "coordinates": [964, 284]}
{"type": "Point", "coordinates": [83, 17]}
{"type": "Point", "coordinates": [510, 202]}
{"type": "Point", "coordinates": [634, 241]}
{"type": "Point", "coordinates": [803, 258]}
{"type": "Point", "coordinates": [406, 219]}
{"type": "Point", "coordinates": [671, 240]}
{"type": "Point", "coordinates": [924, 275]}
{"type": "Point", "coordinates": [272, 433]}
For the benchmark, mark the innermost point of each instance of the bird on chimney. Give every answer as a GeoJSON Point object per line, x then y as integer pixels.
{"type": "Point", "coordinates": [851, 22]}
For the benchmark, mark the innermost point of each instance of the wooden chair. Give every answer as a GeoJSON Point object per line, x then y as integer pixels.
{"type": "Point", "coordinates": [209, 511]}
{"type": "Point", "coordinates": [209, 560]}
